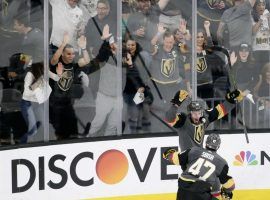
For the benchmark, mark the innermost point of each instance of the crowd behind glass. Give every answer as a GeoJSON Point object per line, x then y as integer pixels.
{"type": "Point", "coordinates": [90, 94]}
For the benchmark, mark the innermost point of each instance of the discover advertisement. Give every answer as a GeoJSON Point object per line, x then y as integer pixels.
{"type": "Point", "coordinates": [119, 168]}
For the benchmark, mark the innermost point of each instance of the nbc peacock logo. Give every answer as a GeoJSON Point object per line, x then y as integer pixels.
{"type": "Point", "coordinates": [245, 157]}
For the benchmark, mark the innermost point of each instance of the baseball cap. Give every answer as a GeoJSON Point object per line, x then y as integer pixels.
{"type": "Point", "coordinates": [244, 47]}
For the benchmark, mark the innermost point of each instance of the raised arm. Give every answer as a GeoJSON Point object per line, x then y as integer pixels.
{"type": "Point", "coordinates": [163, 3]}
{"type": "Point", "coordinates": [183, 29]}
{"type": "Point", "coordinates": [173, 118]}
{"type": "Point", "coordinates": [58, 53]}
{"type": "Point", "coordinates": [252, 2]}
{"type": "Point", "coordinates": [220, 31]}
{"type": "Point", "coordinates": [256, 26]}
{"type": "Point", "coordinates": [82, 44]}
{"type": "Point", "coordinates": [222, 109]}
{"type": "Point", "coordinates": [160, 31]}
{"type": "Point", "coordinates": [206, 25]}
{"type": "Point", "coordinates": [104, 53]}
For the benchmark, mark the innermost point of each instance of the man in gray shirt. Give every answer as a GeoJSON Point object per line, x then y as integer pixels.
{"type": "Point", "coordinates": [32, 43]}
{"type": "Point", "coordinates": [236, 23]}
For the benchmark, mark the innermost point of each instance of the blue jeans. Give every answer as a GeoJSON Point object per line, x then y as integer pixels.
{"type": "Point", "coordinates": [29, 117]}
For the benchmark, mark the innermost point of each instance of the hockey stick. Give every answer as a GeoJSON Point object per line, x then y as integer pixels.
{"type": "Point", "coordinates": [162, 121]}
{"type": "Point", "coordinates": [86, 127]}
{"type": "Point", "coordinates": [232, 83]}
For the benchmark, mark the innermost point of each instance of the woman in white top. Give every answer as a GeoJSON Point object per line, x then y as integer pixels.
{"type": "Point", "coordinates": [34, 81]}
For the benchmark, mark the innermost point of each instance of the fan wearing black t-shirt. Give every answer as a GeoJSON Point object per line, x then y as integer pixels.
{"type": "Point", "coordinates": [62, 114]}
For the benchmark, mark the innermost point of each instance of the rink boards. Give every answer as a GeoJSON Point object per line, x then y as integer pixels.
{"type": "Point", "coordinates": [126, 169]}
{"type": "Point", "coordinates": [238, 194]}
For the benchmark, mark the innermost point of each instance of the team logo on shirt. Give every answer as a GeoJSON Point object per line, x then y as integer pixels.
{"type": "Point", "coordinates": [168, 67]}
{"type": "Point", "coordinates": [66, 80]}
{"type": "Point", "coordinates": [212, 3]}
{"type": "Point", "coordinates": [201, 64]}
{"type": "Point", "coordinates": [199, 133]}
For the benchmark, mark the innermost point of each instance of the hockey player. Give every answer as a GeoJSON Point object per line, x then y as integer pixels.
{"type": "Point", "coordinates": [201, 167]}
{"type": "Point", "coordinates": [191, 127]}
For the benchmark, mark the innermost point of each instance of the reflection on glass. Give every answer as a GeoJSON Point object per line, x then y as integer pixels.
{"type": "Point", "coordinates": [156, 61]}
{"type": "Point", "coordinates": [152, 25]}
{"type": "Point", "coordinates": [21, 61]}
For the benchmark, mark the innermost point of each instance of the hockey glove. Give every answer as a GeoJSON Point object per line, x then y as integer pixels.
{"type": "Point", "coordinates": [167, 155]}
{"type": "Point", "coordinates": [226, 194]}
{"type": "Point", "coordinates": [234, 97]}
{"type": "Point", "coordinates": [179, 97]}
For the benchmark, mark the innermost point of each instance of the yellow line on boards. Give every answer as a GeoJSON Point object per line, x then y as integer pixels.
{"type": "Point", "coordinates": [142, 197]}
{"type": "Point", "coordinates": [238, 194]}
{"type": "Point", "coordinates": [251, 194]}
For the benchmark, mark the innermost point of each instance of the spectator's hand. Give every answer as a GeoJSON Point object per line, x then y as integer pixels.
{"type": "Point", "coordinates": [12, 74]}
{"type": "Point", "coordinates": [141, 90]}
{"type": "Point", "coordinates": [140, 32]}
{"type": "Point", "coordinates": [81, 31]}
{"type": "Point", "coordinates": [235, 96]}
{"type": "Point", "coordinates": [59, 69]}
{"type": "Point", "coordinates": [155, 50]}
{"type": "Point", "coordinates": [66, 38]}
{"type": "Point", "coordinates": [183, 26]}
{"type": "Point", "coordinates": [106, 32]}
{"type": "Point", "coordinates": [220, 5]}
{"type": "Point", "coordinates": [233, 58]}
{"type": "Point", "coordinates": [161, 28]}
{"type": "Point", "coordinates": [82, 42]}
{"type": "Point", "coordinates": [129, 59]}
{"type": "Point", "coordinates": [113, 48]}
{"type": "Point", "coordinates": [206, 25]}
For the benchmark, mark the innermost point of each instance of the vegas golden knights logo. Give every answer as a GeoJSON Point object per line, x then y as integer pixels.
{"type": "Point", "coordinates": [168, 67]}
{"type": "Point", "coordinates": [66, 80]}
{"type": "Point", "coordinates": [212, 3]}
{"type": "Point", "coordinates": [199, 133]}
{"type": "Point", "coordinates": [201, 64]}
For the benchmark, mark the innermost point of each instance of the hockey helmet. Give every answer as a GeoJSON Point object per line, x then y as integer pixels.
{"type": "Point", "coordinates": [213, 141]}
{"type": "Point", "coordinates": [194, 106]}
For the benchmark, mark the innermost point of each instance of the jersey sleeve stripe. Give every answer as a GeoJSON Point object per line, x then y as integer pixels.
{"type": "Point", "coordinates": [217, 196]}
{"type": "Point", "coordinates": [186, 179]}
{"type": "Point", "coordinates": [229, 185]}
{"type": "Point", "coordinates": [221, 111]}
{"type": "Point", "coordinates": [175, 158]}
{"type": "Point", "coordinates": [176, 119]}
